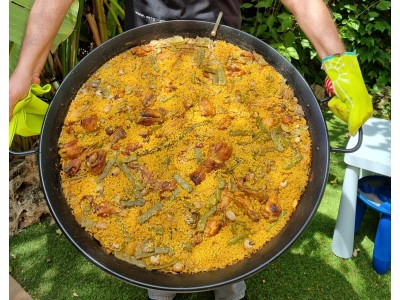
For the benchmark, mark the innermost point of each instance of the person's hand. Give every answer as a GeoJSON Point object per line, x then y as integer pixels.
{"type": "Point", "coordinates": [351, 102]}
{"type": "Point", "coordinates": [18, 89]}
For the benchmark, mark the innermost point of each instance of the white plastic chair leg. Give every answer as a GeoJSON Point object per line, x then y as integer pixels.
{"type": "Point", "coordinates": [343, 236]}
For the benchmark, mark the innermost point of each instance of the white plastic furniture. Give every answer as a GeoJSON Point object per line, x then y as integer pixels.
{"type": "Point", "coordinates": [373, 157]}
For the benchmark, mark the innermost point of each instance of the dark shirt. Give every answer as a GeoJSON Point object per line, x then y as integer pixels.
{"type": "Point", "coordinates": [141, 12]}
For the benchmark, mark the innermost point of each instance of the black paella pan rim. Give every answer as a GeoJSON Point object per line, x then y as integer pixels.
{"type": "Point", "coordinates": [49, 161]}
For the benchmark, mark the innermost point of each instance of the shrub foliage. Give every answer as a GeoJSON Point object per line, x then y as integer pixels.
{"type": "Point", "coordinates": [363, 25]}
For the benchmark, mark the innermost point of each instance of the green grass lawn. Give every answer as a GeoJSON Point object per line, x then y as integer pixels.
{"type": "Point", "coordinates": [45, 263]}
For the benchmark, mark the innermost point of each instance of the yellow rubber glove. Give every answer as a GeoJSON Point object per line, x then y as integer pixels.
{"type": "Point", "coordinates": [351, 103]}
{"type": "Point", "coordinates": [28, 113]}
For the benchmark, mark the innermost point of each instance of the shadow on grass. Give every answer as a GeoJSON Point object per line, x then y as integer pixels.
{"type": "Point", "coordinates": [49, 267]}
{"type": "Point", "coordinates": [309, 270]}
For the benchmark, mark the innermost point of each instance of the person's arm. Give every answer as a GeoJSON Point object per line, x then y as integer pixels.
{"type": "Point", "coordinates": [315, 20]}
{"type": "Point", "coordinates": [44, 21]}
{"type": "Point", "coordinates": [351, 101]}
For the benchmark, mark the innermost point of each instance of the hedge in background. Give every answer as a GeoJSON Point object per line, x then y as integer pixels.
{"type": "Point", "coordinates": [364, 27]}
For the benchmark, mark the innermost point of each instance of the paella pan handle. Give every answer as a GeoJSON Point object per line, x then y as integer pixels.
{"type": "Point", "coordinates": [360, 136]}
{"type": "Point", "coordinates": [23, 153]}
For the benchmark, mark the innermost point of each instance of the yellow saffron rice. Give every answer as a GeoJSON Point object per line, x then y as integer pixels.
{"type": "Point", "coordinates": [150, 120]}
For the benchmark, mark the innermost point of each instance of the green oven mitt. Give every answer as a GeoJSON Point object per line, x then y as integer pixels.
{"type": "Point", "coordinates": [28, 113]}
{"type": "Point", "coordinates": [351, 102]}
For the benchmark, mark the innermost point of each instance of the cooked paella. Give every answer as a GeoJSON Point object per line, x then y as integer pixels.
{"type": "Point", "coordinates": [184, 155]}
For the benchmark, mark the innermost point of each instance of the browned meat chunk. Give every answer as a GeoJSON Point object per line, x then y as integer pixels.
{"type": "Point", "coordinates": [207, 108]}
{"type": "Point", "coordinates": [72, 166]}
{"type": "Point", "coordinates": [151, 180]}
{"type": "Point", "coordinates": [213, 226]}
{"type": "Point", "coordinates": [149, 117]}
{"type": "Point", "coordinates": [91, 123]}
{"type": "Point", "coordinates": [217, 155]}
{"type": "Point", "coordinates": [272, 209]}
{"type": "Point", "coordinates": [226, 199]}
{"type": "Point", "coordinates": [96, 161]}
{"type": "Point", "coordinates": [117, 134]}
{"type": "Point", "coordinates": [105, 209]}
{"type": "Point", "coordinates": [225, 122]}
{"type": "Point", "coordinates": [260, 194]}
{"type": "Point", "coordinates": [71, 150]}
{"type": "Point", "coordinates": [243, 202]}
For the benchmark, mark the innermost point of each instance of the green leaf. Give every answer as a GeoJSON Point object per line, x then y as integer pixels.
{"type": "Point", "coordinates": [383, 5]}
{"type": "Point", "coordinates": [274, 35]}
{"type": "Point", "coordinates": [289, 38]}
{"type": "Point", "coordinates": [270, 21]}
{"type": "Point", "coordinates": [382, 26]}
{"type": "Point", "coordinates": [15, 49]}
{"type": "Point", "coordinates": [351, 7]}
{"type": "Point", "coordinates": [337, 16]}
{"type": "Point", "coordinates": [252, 30]}
{"type": "Point", "coordinates": [292, 52]}
{"type": "Point", "coordinates": [284, 16]}
{"type": "Point", "coordinates": [355, 24]}
{"type": "Point", "coordinates": [369, 27]}
{"type": "Point", "coordinates": [246, 5]}
{"type": "Point", "coordinates": [282, 50]}
{"type": "Point", "coordinates": [382, 57]}
{"type": "Point", "coordinates": [120, 10]}
{"type": "Point", "coordinates": [264, 4]}
{"type": "Point", "coordinates": [259, 17]}
{"type": "Point", "coordinates": [372, 74]}
{"type": "Point", "coordinates": [18, 16]}
{"type": "Point", "coordinates": [24, 3]}
{"type": "Point", "coordinates": [313, 54]}
{"type": "Point", "coordinates": [348, 34]}
{"type": "Point", "coordinates": [111, 26]}
{"type": "Point", "coordinates": [365, 55]}
{"type": "Point", "coordinates": [368, 41]}
{"type": "Point", "coordinates": [261, 29]}
{"type": "Point", "coordinates": [305, 43]}
{"type": "Point", "coordinates": [286, 24]}
{"type": "Point", "coordinates": [287, 52]}
{"type": "Point", "coordinates": [372, 15]}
